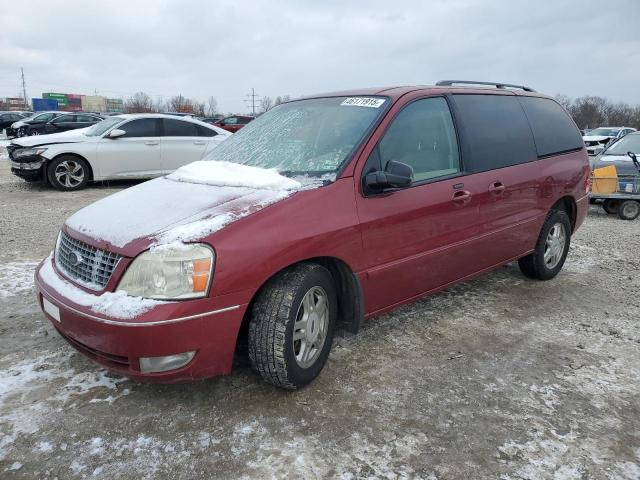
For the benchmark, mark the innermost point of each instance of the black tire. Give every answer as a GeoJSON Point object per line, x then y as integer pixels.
{"type": "Point", "coordinates": [534, 265]}
{"type": "Point", "coordinates": [629, 209]}
{"type": "Point", "coordinates": [611, 206]}
{"type": "Point", "coordinates": [272, 350]}
{"type": "Point", "coordinates": [74, 167]}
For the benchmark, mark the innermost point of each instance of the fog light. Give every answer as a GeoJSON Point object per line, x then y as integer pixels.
{"type": "Point", "coordinates": [163, 364]}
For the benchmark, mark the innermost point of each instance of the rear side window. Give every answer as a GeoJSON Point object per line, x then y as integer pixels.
{"type": "Point", "coordinates": [206, 132]}
{"type": "Point", "coordinates": [144, 127]}
{"type": "Point", "coordinates": [496, 130]}
{"type": "Point", "coordinates": [423, 137]}
{"type": "Point", "coordinates": [553, 130]}
{"type": "Point", "coordinates": [179, 128]}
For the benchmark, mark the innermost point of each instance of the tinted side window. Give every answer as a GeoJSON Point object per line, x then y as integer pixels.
{"type": "Point", "coordinates": [178, 128]}
{"type": "Point", "coordinates": [144, 127]}
{"type": "Point", "coordinates": [206, 132]}
{"type": "Point", "coordinates": [496, 129]}
{"type": "Point", "coordinates": [423, 137]}
{"type": "Point", "coordinates": [64, 119]}
{"type": "Point", "coordinates": [86, 118]}
{"type": "Point", "coordinates": [553, 129]}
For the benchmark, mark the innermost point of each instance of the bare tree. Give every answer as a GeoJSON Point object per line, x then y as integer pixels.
{"type": "Point", "coordinates": [592, 111]}
{"type": "Point", "coordinates": [212, 106]}
{"type": "Point", "coordinates": [176, 104]}
{"type": "Point", "coordinates": [266, 104]}
{"type": "Point", "coordinates": [140, 102]}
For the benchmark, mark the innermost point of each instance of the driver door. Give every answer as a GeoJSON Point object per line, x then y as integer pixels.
{"type": "Point", "coordinates": [136, 154]}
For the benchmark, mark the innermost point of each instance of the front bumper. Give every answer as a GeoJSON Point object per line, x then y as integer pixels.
{"type": "Point", "coordinates": [208, 326]}
{"type": "Point", "coordinates": [30, 167]}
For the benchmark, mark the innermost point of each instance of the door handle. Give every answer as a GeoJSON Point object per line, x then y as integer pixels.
{"type": "Point", "coordinates": [151, 142]}
{"type": "Point", "coordinates": [461, 197]}
{"type": "Point", "coordinates": [198, 142]}
{"type": "Point", "coordinates": [497, 188]}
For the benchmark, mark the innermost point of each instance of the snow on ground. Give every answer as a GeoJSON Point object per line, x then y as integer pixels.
{"type": "Point", "coordinates": [32, 389]}
{"type": "Point", "coordinates": [16, 278]}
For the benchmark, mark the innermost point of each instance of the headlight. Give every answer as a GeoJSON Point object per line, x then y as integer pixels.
{"type": "Point", "coordinates": [170, 273]}
{"type": "Point", "coordinates": [28, 152]}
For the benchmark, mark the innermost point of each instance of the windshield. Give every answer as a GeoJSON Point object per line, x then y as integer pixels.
{"type": "Point", "coordinates": [101, 127]}
{"type": "Point", "coordinates": [604, 132]}
{"type": "Point", "coordinates": [43, 117]}
{"type": "Point", "coordinates": [305, 137]}
{"type": "Point", "coordinates": [630, 143]}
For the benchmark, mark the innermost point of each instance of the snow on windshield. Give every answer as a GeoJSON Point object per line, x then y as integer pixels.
{"type": "Point", "coordinates": [311, 137]}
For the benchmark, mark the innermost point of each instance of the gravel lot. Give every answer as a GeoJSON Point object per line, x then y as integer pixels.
{"type": "Point", "coordinates": [500, 377]}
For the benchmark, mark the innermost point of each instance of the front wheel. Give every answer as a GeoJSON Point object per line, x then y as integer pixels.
{"type": "Point", "coordinates": [551, 248]}
{"type": "Point", "coordinates": [629, 209]}
{"type": "Point", "coordinates": [68, 173]}
{"type": "Point", "coordinates": [291, 326]}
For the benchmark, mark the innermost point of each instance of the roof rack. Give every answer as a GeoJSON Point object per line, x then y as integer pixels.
{"type": "Point", "coordinates": [448, 83]}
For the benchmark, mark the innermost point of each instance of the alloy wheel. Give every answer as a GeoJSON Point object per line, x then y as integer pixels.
{"type": "Point", "coordinates": [310, 328]}
{"type": "Point", "coordinates": [554, 246]}
{"type": "Point", "coordinates": [69, 173]}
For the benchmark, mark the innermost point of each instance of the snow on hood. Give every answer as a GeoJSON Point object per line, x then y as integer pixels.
{"type": "Point", "coordinates": [189, 204]}
{"type": "Point", "coordinates": [595, 138]}
{"type": "Point", "coordinates": [227, 174]}
{"type": "Point", "coordinates": [70, 136]}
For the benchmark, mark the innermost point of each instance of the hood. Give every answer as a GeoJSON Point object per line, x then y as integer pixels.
{"type": "Point", "coordinates": [595, 138]}
{"type": "Point", "coordinates": [18, 124]}
{"type": "Point", "coordinates": [614, 158]}
{"type": "Point", "coordinates": [70, 136]}
{"type": "Point", "coordinates": [190, 204]}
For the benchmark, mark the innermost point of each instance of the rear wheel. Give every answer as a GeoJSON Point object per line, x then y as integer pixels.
{"type": "Point", "coordinates": [611, 206]}
{"type": "Point", "coordinates": [629, 209]}
{"type": "Point", "coordinates": [68, 173]}
{"type": "Point", "coordinates": [291, 326]}
{"type": "Point", "coordinates": [551, 248]}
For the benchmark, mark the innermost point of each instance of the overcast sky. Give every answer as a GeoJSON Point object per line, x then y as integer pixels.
{"type": "Point", "coordinates": [224, 48]}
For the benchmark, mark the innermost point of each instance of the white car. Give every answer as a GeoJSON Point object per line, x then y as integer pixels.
{"type": "Point", "coordinates": [598, 139]}
{"type": "Point", "coordinates": [122, 146]}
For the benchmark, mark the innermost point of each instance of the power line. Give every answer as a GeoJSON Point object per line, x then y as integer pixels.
{"type": "Point", "coordinates": [252, 100]}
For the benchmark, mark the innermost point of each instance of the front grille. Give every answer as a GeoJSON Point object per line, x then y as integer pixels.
{"type": "Point", "coordinates": [87, 265]}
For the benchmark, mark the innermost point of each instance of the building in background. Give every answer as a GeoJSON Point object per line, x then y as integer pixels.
{"type": "Point", "coordinates": [115, 105]}
{"type": "Point", "coordinates": [94, 103]}
{"type": "Point", "coordinates": [14, 104]}
{"type": "Point", "coordinates": [44, 104]}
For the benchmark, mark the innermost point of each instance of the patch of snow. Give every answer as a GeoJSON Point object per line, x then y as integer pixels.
{"type": "Point", "coordinates": [159, 205]}
{"type": "Point", "coordinates": [201, 228]}
{"type": "Point", "coordinates": [26, 393]}
{"type": "Point", "coordinates": [15, 466]}
{"type": "Point", "coordinates": [16, 278]}
{"type": "Point", "coordinates": [227, 174]}
{"type": "Point", "coordinates": [113, 304]}
{"type": "Point", "coordinates": [44, 446]}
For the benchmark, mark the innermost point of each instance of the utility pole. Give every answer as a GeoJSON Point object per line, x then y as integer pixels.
{"type": "Point", "coordinates": [252, 100]}
{"type": "Point", "coordinates": [24, 87]}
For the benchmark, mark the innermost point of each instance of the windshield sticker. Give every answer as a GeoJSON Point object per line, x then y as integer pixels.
{"type": "Point", "coordinates": [363, 102]}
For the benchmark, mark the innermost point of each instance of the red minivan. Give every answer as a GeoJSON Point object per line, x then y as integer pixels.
{"type": "Point", "coordinates": [321, 213]}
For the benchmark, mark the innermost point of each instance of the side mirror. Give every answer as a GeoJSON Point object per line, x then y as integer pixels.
{"type": "Point", "coordinates": [115, 133]}
{"type": "Point", "coordinates": [396, 175]}
{"type": "Point", "coordinates": [598, 150]}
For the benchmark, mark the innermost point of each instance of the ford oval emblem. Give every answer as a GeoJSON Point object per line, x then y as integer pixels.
{"type": "Point", "coordinates": [75, 258]}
